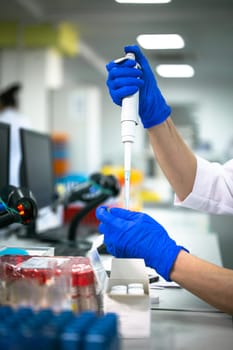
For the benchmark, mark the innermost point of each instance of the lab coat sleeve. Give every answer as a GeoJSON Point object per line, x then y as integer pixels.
{"type": "Point", "coordinates": [212, 190]}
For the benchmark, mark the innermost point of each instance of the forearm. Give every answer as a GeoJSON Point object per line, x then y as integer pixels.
{"type": "Point", "coordinates": [209, 282]}
{"type": "Point", "coordinates": [176, 160]}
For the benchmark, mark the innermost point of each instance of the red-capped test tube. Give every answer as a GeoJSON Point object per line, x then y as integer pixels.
{"type": "Point", "coordinates": [85, 283]}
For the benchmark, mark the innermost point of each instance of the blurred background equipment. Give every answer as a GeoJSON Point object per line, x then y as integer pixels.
{"type": "Point", "coordinates": [37, 166]}
{"type": "Point", "coordinates": [54, 224]}
{"type": "Point", "coordinates": [10, 114]}
{"type": "Point", "coordinates": [17, 205]}
{"type": "Point", "coordinates": [61, 161]}
{"type": "Point", "coordinates": [102, 188]}
{"type": "Point", "coordinates": [64, 90]}
{"type": "Point", "coordinates": [4, 154]}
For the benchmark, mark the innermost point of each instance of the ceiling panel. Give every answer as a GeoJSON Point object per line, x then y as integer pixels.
{"type": "Point", "coordinates": [106, 26]}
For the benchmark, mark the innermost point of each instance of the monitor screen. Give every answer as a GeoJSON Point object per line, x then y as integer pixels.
{"type": "Point", "coordinates": [4, 154]}
{"type": "Point", "coordinates": [37, 166]}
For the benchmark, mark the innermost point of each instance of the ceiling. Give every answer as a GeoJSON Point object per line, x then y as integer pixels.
{"type": "Point", "coordinates": [105, 27]}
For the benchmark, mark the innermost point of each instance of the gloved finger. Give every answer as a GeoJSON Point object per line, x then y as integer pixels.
{"type": "Point", "coordinates": [125, 214]}
{"type": "Point", "coordinates": [111, 249]}
{"type": "Point", "coordinates": [124, 72]}
{"type": "Point", "coordinates": [124, 82]}
{"type": "Point", "coordinates": [119, 94]}
{"type": "Point", "coordinates": [121, 91]}
{"type": "Point", "coordinates": [104, 207]}
{"type": "Point", "coordinates": [109, 238]}
{"type": "Point", "coordinates": [103, 214]}
{"type": "Point", "coordinates": [101, 228]}
{"type": "Point", "coordinates": [126, 91]}
{"type": "Point", "coordinates": [125, 63]}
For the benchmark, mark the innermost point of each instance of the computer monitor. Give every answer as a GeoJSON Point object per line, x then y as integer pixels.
{"type": "Point", "coordinates": [37, 175]}
{"type": "Point", "coordinates": [4, 154]}
{"type": "Point", "coordinates": [37, 166]}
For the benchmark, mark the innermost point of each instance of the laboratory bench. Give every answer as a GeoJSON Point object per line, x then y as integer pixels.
{"type": "Point", "coordinates": [185, 330]}
{"type": "Point", "coordinates": [180, 320]}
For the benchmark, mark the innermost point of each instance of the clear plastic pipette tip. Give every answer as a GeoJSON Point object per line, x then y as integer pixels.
{"type": "Point", "coordinates": [127, 188]}
{"type": "Point", "coordinates": [127, 170]}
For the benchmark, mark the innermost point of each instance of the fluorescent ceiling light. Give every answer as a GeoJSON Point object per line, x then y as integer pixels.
{"type": "Point", "coordinates": [160, 41]}
{"type": "Point", "coordinates": [143, 1]}
{"type": "Point", "coordinates": [175, 70]}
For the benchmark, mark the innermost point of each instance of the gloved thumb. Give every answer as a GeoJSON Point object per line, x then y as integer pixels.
{"type": "Point", "coordinates": [115, 217]}
{"type": "Point", "coordinates": [140, 58]}
{"type": "Point", "coordinates": [124, 214]}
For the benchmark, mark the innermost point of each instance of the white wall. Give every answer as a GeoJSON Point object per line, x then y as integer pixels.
{"type": "Point", "coordinates": [36, 70]}
{"type": "Point", "coordinates": [214, 108]}
{"type": "Point", "coordinates": [77, 112]}
{"type": "Point", "coordinates": [213, 101]}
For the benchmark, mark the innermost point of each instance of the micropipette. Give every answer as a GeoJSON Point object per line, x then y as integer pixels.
{"type": "Point", "coordinates": [129, 117]}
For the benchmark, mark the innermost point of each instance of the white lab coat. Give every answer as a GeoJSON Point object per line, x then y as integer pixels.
{"type": "Point", "coordinates": [16, 121]}
{"type": "Point", "coordinates": [212, 190]}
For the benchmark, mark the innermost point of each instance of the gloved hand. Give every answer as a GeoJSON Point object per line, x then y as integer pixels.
{"type": "Point", "coordinates": [130, 234]}
{"type": "Point", "coordinates": [125, 79]}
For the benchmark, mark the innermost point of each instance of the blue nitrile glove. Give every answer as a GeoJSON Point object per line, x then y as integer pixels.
{"type": "Point", "coordinates": [124, 80]}
{"type": "Point", "coordinates": [129, 234]}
